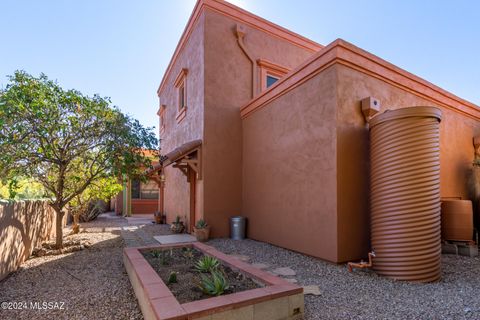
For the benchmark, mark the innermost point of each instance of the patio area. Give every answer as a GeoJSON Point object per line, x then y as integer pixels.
{"type": "Point", "coordinates": [93, 284]}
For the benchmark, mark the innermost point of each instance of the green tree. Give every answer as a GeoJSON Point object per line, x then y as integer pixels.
{"type": "Point", "coordinates": [20, 188]}
{"type": "Point", "coordinates": [65, 140]}
{"type": "Point", "coordinates": [86, 203]}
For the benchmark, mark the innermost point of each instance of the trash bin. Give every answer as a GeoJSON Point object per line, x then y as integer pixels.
{"type": "Point", "coordinates": [237, 228]}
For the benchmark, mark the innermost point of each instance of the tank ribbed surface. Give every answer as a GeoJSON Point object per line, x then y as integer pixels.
{"type": "Point", "coordinates": [405, 193]}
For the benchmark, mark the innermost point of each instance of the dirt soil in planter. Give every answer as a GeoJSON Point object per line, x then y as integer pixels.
{"type": "Point", "coordinates": [182, 261]}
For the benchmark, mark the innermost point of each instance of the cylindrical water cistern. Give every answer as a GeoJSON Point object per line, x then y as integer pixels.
{"type": "Point", "coordinates": [405, 193]}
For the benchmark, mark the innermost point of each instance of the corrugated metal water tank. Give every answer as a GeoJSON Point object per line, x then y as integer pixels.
{"type": "Point", "coordinates": [405, 193]}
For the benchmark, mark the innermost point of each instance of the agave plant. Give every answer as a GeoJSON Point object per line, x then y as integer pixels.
{"type": "Point", "coordinates": [201, 224]}
{"type": "Point", "coordinates": [214, 284]}
{"type": "Point", "coordinates": [207, 264]}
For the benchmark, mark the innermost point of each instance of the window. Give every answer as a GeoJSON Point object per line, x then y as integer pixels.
{"type": "Point", "coordinates": [181, 87]}
{"type": "Point", "coordinates": [147, 190]}
{"type": "Point", "coordinates": [271, 80]}
{"type": "Point", "coordinates": [270, 73]}
{"type": "Point", "coordinates": [161, 114]}
{"type": "Point", "coordinates": [135, 189]}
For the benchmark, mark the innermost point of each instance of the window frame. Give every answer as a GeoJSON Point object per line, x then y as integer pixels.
{"type": "Point", "coordinates": [180, 85]}
{"type": "Point", "coordinates": [271, 69]}
{"type": "Point", "coordinates": [140, 188]}
{"type": "Point", "coordinates": [161, 115]}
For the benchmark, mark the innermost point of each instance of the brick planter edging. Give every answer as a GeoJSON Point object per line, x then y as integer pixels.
{"type": "Point", "coordinates": [279, 299]}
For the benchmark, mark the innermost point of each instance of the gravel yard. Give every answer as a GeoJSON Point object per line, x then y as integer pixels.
{"type": "Point", "coordinates": [364, 295]}
{"type": "Point", "coordinates": [91, 283]}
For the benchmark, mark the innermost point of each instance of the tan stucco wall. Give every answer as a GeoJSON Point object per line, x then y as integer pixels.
{"type": "Point", "coordinates": [228, 83]}
{"type": "Point", "coordinates": [177, 192]}
{"type": "Point", "coordinates": [457, 132]}
{"type": "Point", "coordinates": [24, 225]}
{"type": "Point", "coordinates": [289, 175]}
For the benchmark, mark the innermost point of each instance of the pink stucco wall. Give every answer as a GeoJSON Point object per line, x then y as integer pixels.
{"type": "Point", "coordinates": [289, 174]}
{"type": "Point", "coordinates": [228, 83]}
{"type": "Point", "coordinates": [177, 193]}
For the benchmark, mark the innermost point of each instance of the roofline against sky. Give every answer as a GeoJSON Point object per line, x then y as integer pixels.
{"type": "Point", "coordinates": [243, 16]}
{"type": "Point", "coordinates": [351, 56]}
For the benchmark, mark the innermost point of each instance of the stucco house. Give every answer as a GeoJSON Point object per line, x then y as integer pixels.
{"type": "Point", "coordinates": [137, 196]}
{"type": "Point", "coordinates": [258, 121]}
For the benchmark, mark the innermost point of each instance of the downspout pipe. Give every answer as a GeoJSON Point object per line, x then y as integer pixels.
{"type": "Point", "coordinates": [362, 264]}
{"type": "Point", "coordinates": [240, 34]}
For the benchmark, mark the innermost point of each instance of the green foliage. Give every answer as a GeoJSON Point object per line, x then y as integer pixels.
{"type": "Point", "coordinates": [65, 140]}
{"type": "Point", "coordinates": [207, 264]}
{"type": "Point", "coordinates": [172, 278]}
{"type": "Point", "coordinates": [21, 189]}
{"type": "Point", "coordinates": [178, 220]}
{"type": "Point", "coordinates": [214, 284]}
{"type": "Point", "coordinates": [201, 224]}
{"type": "Point", "coordinates": [162, 255]}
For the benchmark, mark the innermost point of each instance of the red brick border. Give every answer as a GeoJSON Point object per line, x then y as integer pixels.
{"type": "Point", "coordinates": [159, 302]}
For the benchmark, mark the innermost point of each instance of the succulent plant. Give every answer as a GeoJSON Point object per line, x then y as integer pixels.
{"type": "Point", "coordinates": [172, 278]}
{"type": "Point", "coordinates": [214, 284]}
{"type": "Point", "coordinates": [187, 252]}
{"type": "Point", "coordinates": [207, 264]}
{"type": "Point", "coordinates": [156, 253]}
{"type": "Point", "coordinates": [201, 224]}
{"type": "Point", "coordinates": [160, 254]}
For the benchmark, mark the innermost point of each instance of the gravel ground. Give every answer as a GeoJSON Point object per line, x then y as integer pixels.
{"type": "Point", "coordinates": [92, 283]}
{"type": "Point", "coordinates": [364, 295]}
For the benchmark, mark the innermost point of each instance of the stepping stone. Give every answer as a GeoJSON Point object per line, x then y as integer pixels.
{"type": "Point", "coordinates": [312, 290]}
{"type": "Point", "coordinates": [175, 238]}
{"type": "Point", "coordinates": [132, 228]}
{"type": "Point", "coordinates": [240, 257]}
{"type": "Point", "coordinates": [285, 272]}
{"type": "Point", "coordinates": [291, 280]}
{"type": "Point", "coordinates": [260, 265]}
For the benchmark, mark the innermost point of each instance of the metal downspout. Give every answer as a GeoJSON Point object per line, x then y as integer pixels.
{"type": "Point", "coordinates": [240, 34]}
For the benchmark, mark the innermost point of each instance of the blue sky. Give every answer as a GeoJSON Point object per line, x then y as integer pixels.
{"type": "Point", "coordinates": [121, 48]}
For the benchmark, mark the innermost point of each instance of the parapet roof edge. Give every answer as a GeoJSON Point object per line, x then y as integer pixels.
{"type": "Point", "coordinates": [343, 52]}
{"type": "Point", "coordinates": [243, 16]}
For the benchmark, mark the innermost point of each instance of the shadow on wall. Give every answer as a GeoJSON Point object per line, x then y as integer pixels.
{"type": "Point", "coordinates": [23, 226]}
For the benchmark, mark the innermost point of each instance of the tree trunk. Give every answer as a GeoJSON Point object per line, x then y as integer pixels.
{"type": "Point", "coordinates": [76, 223]}
{"type": "Point", "coordinates": [59, 228]}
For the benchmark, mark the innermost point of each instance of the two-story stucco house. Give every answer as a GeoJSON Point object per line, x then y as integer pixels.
{"type": "Point", "coordinates": [258, 121]}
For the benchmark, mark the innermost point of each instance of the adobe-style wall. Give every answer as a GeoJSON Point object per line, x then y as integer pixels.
{"type": "Point", "coordinates": [177, 192]}
{"type": "Point", "coordinates": [289, 177]}
{"type": "Point", "coordinates": [24, 225]}
{"type": "Point", "coordinates": [456, 136]}
{"type": "Point", "coordinates": [358, 74]}
{"type": "Point", "coordinates": [144, 206]}
{"type": "Point", "coordinates": [228, 86]}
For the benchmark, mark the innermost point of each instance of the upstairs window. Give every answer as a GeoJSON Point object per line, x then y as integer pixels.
{"type": "Point", "coordinates": [161, 115]}
{"type": "Point", "coordinates": [270, 73]}
{"type": "Point", "coordinates": [181, 87]}
{"type": "Point", "coordinates": [271, 80]}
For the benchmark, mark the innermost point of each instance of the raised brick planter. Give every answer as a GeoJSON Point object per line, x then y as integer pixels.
{"type": "Point", "coordinates": [279, 299]}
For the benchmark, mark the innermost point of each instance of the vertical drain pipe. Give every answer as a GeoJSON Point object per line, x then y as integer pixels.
{"type": "Point", "coordinates": [240, 34]}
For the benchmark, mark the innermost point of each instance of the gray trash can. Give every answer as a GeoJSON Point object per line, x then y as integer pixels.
{"type": "Point", "coordinates": [237, 227]}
